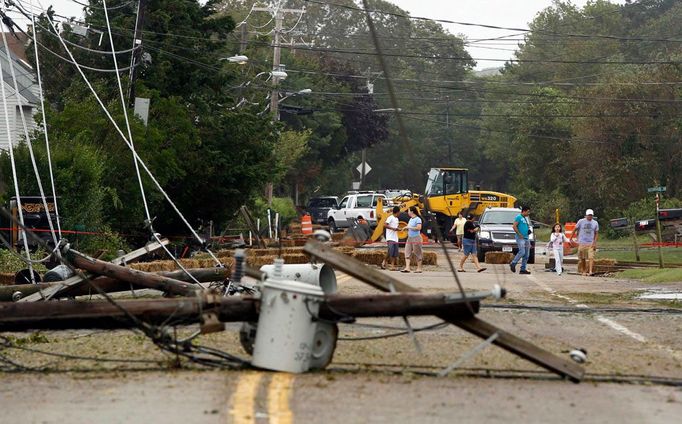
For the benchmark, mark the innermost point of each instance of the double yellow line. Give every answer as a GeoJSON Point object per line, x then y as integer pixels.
{"type": "Point", "coordinates": [278, 396]}
{"type": "Point", "coordinates": [279, 393]}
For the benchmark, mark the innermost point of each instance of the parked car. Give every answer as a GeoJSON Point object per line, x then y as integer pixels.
{"type": "Point", "coordinates": [354, 205]}
{"type": "Point", "coordinates": [318, 207]}
{"type": "Point", "coordinates": [497, 233]}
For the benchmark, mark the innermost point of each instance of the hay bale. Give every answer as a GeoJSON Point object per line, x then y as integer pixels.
{"type": "Point", "coordinates": [430, 258]}
{"type": "Point", "coordinates": [337, 236]}
{"type": "Point", "coordinates": [296, 258]}
{"type": "Point", "coordinates": [602, 266]}
{"type": "Point", "coordinates": [498, 257]}
{"type": "Point", "coordinates": [259, 261]}
{"type": "Point", "coordinates": [371, 257]}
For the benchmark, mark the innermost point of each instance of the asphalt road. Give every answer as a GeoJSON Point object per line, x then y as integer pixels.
{"type": "Point", "coordinates": [390, 381]}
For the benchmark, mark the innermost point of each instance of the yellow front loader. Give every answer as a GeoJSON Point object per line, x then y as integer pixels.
{"type": "Point", "coordinates": [447, 195]}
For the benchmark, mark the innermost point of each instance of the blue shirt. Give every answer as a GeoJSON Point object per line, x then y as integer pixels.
{"type": "Point", "coordinates": [522, 225]}
{"type": "Point", "coordinates": [413, 223]}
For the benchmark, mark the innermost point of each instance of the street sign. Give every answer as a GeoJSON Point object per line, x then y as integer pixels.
{"type": "Point", "coordinates": [356, 185]}
{"type": "Point", "coordinates": [658, 189]}
{"type": "Point", "coordinates": [367, 168]}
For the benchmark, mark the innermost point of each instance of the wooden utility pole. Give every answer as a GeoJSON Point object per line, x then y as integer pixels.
{"type": "Point", "coordinates": [471, 324]}
{"type": "Point", "coordinates": [634, 239]}
{"type": "Point", "coordinates": [658, 232]}
{"type": "Point", "coordinates": [276, 65]}
{"type": "Point", "coordinates": [77, 279]}
{"type": "Point", "coordinates": [362, 172]}
{"type": "Point", "coordinates": [107, 284]}
{"type": "Point", "coordinates": [278, 14]}
{"type": "Point", "coordinates": [71, 314]}
{"type": "Point", "coordinates": [137, 52]}
{"type": "Point", "coordinates": [144, 279]}
{"type": "Point", "coordinates": [244, 40]}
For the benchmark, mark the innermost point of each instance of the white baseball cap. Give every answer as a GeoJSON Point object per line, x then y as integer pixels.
{"type": "Point", "coordinates": [589, 212]}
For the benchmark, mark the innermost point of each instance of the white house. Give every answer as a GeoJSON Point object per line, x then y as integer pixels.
{"type": "Point", "coordinates": [28, 91]}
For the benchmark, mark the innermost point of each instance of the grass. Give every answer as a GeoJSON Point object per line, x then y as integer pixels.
{"type": "Point", "coordinates": [623, 249]}
{"type": "Point", "coordinates": [653, 275]}
{"type": "Point", "coordinates": [671, 255]}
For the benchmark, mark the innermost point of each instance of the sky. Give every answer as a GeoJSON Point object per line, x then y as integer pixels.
{"type": "Point", "coordinates": [507, 13]}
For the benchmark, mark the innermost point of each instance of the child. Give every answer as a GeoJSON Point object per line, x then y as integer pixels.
{"type": "Point", "coordinates": [556, 242]}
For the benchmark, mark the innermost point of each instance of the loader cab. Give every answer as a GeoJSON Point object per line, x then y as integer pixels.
{"type": "Point", "coordinates": [446, 182]}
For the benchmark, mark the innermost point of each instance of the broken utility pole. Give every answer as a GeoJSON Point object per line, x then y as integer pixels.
{"type": "Point", "coordinates": [470, 324]}
{"type": "Point", "coordinates": [72, 314]}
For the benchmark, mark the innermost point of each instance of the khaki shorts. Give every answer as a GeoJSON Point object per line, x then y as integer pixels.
{"type": "Point", "coordinates": [585, 252]}
{"type": "Point", "coordinates": [413, 247]}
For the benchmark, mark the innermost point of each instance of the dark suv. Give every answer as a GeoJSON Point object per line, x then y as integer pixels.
{"type": "Point", "coordinates": [497, 233]}
{"type": "Point", "coordinates": [319, 206]}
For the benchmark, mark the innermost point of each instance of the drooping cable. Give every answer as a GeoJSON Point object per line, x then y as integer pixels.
{"type": "Point", "coordinates": [137, 157]}
{"type": "Point", "coordinates": [47, 138]}
{"type": "Point", "coordinates": [22, 232]}
{"type": "Point", "coordinates": [132, 148]}
{"type": "Point", "coordinates": [29, 144]}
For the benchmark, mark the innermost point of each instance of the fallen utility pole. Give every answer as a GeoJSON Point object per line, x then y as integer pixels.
{"type": "Point", "coordinates": [133, 276]}
{"type": "Point", "coordinates": [100, 314]}
{"type": "Point", "coordinates": [78, 279]}
{"type": "Point", "coordinates": [471, 324]}
{"type": "Point", "coordinates": [107, 284]}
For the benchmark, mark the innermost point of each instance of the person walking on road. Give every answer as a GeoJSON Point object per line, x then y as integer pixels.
{"type": "Point", "coordinates": [469, 243]}
{"type": "Point", "coordinates": [587, 231]}
{"type": "Point", "coordinates": [556, 243]}
{"type": "Point", "coordinates": [458, 229]}
{"type": "Point", "coordinates": [391, 225]}
{"type": "Point", "coordinates": [413, 247]}
{"type": "Point", "coordinates": [522, 230]}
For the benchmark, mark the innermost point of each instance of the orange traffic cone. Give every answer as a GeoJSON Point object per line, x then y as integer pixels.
{"type": "Point", "coordinates": [306, 224]}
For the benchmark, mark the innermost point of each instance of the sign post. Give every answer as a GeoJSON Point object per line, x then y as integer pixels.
{"type": "Point", "coordinates": [658, 190]}
{"type": "Point", "coordinates": [363, 168]}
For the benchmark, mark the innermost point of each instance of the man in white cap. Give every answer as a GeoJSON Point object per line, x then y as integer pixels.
{"type": "Point", "coordinates": [587, 231]}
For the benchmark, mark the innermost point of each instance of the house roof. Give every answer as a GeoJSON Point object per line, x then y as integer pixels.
{"type": "Point", "coordinates": [22, 69]}
{"type": "Point", "coordinates": [17, 44]}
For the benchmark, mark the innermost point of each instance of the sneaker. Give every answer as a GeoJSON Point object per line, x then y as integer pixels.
{"type": "Point", "coordinates": [523, 271]}
{"type": "Point", "coordinates": [512, 266]}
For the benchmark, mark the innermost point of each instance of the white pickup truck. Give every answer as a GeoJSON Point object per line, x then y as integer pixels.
{"type": "Point", "coordinates": [354, 205]}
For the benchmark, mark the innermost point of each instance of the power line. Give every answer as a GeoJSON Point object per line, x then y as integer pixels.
{"type": "Point", "coordinates": [469, 59]}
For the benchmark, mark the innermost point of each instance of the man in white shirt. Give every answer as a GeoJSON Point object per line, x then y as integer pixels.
{"type": "Point", "coordinates": [587, 231]}
{"type": "Point", "coordinates": [391, 225]}
{"type": "Point", "coordinates": [458, 229]}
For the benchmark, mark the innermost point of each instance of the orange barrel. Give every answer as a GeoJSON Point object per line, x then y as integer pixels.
{"type": "Point", "coordinates": [568, 230]}
{"type": "Point", "coordinates": [306, 224]}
